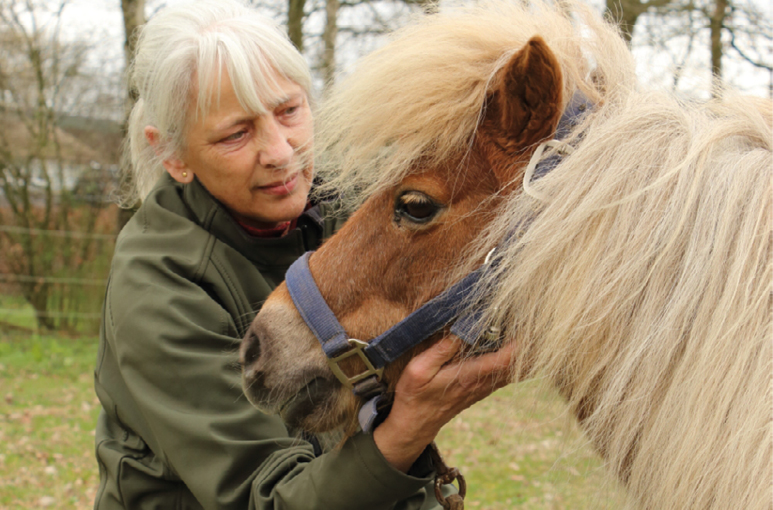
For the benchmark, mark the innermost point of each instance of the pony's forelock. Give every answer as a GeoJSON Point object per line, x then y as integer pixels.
{"type": "Point", "coordinates": [420, 97]}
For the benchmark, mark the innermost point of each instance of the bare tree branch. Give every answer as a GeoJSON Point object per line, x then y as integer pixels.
{"type": "Point", "coordinates": [743, 55]}
{"type": "Point", "coordinates": [34, 158]}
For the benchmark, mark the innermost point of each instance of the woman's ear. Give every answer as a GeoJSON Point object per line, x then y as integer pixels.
{"type": "Point", "coordinates": [173, 165]}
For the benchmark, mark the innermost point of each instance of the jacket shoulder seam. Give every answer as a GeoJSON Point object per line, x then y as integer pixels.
{"type": "Point", "coordinates": [206, 256]}
{"type": "Point", "coordinates": [231, 286]}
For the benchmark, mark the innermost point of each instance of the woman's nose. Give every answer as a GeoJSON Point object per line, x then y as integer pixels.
{"type": "Point", "coordinates": [276, 150]}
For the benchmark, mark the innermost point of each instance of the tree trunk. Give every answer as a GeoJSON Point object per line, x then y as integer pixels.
{"type": "Point", "coordinates": [430, 6]}
{"type": "Point", "coordinates": [295, 13]}
{"type": "Point", "coordinates": [717, 22]}
{"type": "Point", "coordinates": [133, 18]}
{"type": "Point", "coordinates": [626, 13]}
{"type": "Point", "coordinates": [36, 295]}
{"type": "Point", "coordinates": [329, 38]}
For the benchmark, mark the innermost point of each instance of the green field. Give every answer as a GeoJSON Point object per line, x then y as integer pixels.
{"type": "Point", "coordinates": [518, 449]}
{"type": "Point", "coordinates": [47, 415]}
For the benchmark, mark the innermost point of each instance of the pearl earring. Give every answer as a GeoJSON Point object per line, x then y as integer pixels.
{"type": "Point", "coordinates": [185, 175]}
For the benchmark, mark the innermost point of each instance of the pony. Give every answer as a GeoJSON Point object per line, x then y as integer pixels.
{"type": "Point", "coordinates": [635, 276]}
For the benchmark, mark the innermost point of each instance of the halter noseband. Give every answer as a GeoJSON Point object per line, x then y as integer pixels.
{"type": "Point", "coordinates": [451, 304]}
{"type": "Point", "coordinates": [385, 348]}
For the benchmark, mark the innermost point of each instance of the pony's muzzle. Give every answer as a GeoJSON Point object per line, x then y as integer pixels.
{"type": "Point", "coordinates": [249, 352]}
{"type": "Point", "coordinates": [279, 355]}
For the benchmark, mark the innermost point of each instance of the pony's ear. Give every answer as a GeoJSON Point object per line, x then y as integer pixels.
{"type": "Point", "coordinates": [525, 105]}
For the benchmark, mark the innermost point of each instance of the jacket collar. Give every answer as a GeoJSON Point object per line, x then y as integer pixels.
{"type": "Point", "coordinates": [212, 216]}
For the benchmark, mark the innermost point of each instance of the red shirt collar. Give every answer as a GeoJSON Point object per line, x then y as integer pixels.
{"type": "Point", "coordinates": [277, 231]}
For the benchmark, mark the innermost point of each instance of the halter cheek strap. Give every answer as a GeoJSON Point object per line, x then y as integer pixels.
{"type": "Point", "coordinates": [468, 326]}
{"type": "Point", "coordinates": [385, 348]}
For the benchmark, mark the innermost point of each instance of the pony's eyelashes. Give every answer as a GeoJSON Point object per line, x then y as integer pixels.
{"type": "Point", "coordinates": [416, 208]}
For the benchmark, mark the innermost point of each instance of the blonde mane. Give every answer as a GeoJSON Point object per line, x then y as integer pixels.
{"type": "Point", "coordinates": [642, 285]}
{"type": "Point", "coordinates": [642, 289]}
{"type": "Point", "coordinates": [420, 97]}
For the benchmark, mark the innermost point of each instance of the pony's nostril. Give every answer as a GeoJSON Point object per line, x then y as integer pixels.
{"type": "Point", "coordinates": [250, 349]}
{"type": "Point", "coordinates": [253, 379]}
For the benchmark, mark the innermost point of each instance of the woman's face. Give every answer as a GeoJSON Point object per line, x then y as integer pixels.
{"type": "Point", "coordinates": [258, 166]}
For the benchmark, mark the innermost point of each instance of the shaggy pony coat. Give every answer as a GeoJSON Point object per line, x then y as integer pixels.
{"type": "Point", "coordinates": [642, 285]}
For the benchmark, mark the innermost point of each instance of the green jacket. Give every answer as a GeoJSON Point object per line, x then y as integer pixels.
{"type": "Point", "coordinates": [175, 431]}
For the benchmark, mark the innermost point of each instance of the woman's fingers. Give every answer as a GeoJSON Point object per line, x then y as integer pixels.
{"type": "Point", "coordinates": [493, 368]}
{"type": "Point", "coordinates": [455, 385]}
{"type": "Point", "coordinates": [425, 366]}
{"type": "Point", "coordinates": [431, 391]}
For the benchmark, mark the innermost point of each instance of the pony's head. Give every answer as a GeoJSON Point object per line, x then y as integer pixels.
{"type": "Point", "coordinates": [428, 139]}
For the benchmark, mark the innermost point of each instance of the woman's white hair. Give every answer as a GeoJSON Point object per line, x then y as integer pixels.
{"type": "Point", "coordinates": [182, 51]}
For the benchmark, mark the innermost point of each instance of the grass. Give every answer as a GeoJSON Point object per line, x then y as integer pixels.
{"type": "Point", "coordinates": [47, 416]}
{"type": "Point", "coordinates": [75, 309]}
{"type": "Point", "coordinates": [520, 449]}
{"type": "Point", "coordinates": [517, 449]}
{"type": "Point", "coordinates": [16, 314]}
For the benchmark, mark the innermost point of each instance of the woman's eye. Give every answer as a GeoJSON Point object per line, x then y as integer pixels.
{"type": "Point", "coordinates": [236, 136]}
{"type": "Point", "coordinates": [416, 207]}
{"type": "Point", "coordinates": [289, 113]}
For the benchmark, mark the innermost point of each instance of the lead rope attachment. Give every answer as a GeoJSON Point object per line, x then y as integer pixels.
{"type": "Point", "coordinates": [446, 475]}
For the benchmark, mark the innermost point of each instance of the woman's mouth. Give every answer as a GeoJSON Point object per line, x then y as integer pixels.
{"type": "Point", "coordinates": [280, 188]}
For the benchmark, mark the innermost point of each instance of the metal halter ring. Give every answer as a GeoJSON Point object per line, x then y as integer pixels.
{"type": "Point", "coordinates": [489, 256]}
{"type": "Point", "coordinates": [357, 349]}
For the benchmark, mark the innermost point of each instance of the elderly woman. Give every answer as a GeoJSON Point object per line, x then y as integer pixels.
{"type": "Point", "coordinates": [221, 147]}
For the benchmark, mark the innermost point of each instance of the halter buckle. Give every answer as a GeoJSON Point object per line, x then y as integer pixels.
{"type": "Point", "coordinates": [357, 348]}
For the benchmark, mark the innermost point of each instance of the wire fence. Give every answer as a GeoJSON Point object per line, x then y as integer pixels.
{"type": "Point", "coordinates": [71, 234]}
{"type": "Point", "coordinates": [53, 280]}
{"type": "Point", "coordinates": [32, 314]}
{"type": "Point", "coordinates": [25, 278]}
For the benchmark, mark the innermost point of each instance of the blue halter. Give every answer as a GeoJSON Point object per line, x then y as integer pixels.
{"type": "Point", "coordinates": [450, 305]}
{"type": "Point", "coordinates": [385, 348]}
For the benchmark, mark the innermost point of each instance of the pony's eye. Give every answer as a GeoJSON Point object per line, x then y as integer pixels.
{"type": "Point", "coordinates": [416, 207]}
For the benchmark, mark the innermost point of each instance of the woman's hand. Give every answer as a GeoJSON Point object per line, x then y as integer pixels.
{"type": "Point", "coordinates": [431, 392]}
